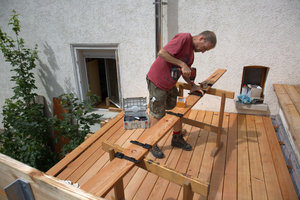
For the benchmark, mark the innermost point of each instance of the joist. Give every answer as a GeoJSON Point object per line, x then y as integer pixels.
{"type": "Point", "coordinates": [105, 179]}
{"type": "Point", "coordinates": [163, 171]}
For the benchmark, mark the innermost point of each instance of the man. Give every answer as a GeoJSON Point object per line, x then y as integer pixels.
{"type": "Point", "coordinates": [161, 79]}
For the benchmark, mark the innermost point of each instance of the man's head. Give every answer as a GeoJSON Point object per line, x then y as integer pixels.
{"type": "Point", "coordinates": [204, 41]}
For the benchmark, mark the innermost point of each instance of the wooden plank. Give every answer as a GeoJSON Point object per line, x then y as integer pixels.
{"type": "Point", "coordinates": [230, 177]}
{"type": "Point", "coordinates": [144, 191]}
{"type": "Point", "coordinates": [135, 182]}
{"type": "Point", "coordinates": [129, 176]}
{"type": "Point", "coordinates": [293, 93]}
{"type": "Point", "coordinates": [160, 184]}
{"type": "Point", "coordinates": [171, 160]}
{"type": "Point", "coordinates": [104, 180]}
{"type": "Point", "coordinates": [256, 170]}
{"type": "Point", "coordinates": [43, 186]}
{"type": "Point", "coordinates": [279, 89]}
{"type": "Point", "coordinates": [173, 190]}
{"type": "Point", "coordinates": [271, 181]}
{"type": "Point", "coordinates": [207, 162]}
{"type": "Point", "coordinates": [285, 181]}
{"type": "Point", "coordinates": [178, 178]}
{"type": "Point", "coordinates": [244, 184]}
{"type": "Point", "coordinates": [294, 96]}
{"type": "Point", "coordinates": [92, 159]}
{"type": "Point", "coordinates": [72, 167]}
{"type": "Point", "coordinates": [199, 152]}
{"type": "Point", "coordinates": [102, 161]}
{"type": "Point", "coordinates": [291, 114]}
{"type": "Point", "coordinates": [218, 170]}
{"type": "Point", "coordinates": [62, 164]}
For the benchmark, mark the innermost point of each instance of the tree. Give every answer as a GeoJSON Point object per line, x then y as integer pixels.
{"type": "Point", "coordinates": [25, 136]}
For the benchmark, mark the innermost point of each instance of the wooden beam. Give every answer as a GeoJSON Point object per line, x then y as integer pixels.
{"type": "Point", "coordinates": [187, 191]}
{"type": "Point", "coordinates": [163, 171]}
{"type": "Point", "coordinates": [118, 187]}
{"type": "Point", "coordinates": [211, 91]}
{"type": "Point", "coordinates": [42, 185]}
{"type": "Point", "coordinates": [104, 180]}
{"type": "Point", "coordinates": [202, 125]}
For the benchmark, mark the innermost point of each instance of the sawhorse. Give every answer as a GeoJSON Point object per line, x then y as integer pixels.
{"type": "Point", "coordinates": [219, 130]}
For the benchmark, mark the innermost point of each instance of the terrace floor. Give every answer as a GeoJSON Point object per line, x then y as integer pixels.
{"type": "Point", "coordinates": [250, 164]}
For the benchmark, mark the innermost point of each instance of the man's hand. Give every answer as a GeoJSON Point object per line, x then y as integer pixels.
{"type": "Point", "coordinates": [186, 71]}
{"type": "Point", "coordinates": [196, 88]}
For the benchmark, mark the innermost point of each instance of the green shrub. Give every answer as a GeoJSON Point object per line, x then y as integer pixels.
{"type": "Point", "coordinates": [25, 135]}
{"type": "Point", "coordinates": [76, 121]}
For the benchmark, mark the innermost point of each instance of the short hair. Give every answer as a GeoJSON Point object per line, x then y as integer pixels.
{"type": "Point", "coordinates": [210, 37]}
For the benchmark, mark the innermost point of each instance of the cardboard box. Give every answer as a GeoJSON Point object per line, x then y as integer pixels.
{"type": "Point", "coordinates": [135, 113]}
{"type": "Point", "coordinates": [255, 92]}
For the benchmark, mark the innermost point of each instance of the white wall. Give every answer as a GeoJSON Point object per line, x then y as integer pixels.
{"type": "Point", "coordinates": [249, 33]}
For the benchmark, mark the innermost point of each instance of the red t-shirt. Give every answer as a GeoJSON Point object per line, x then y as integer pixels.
{"type": "Point", "coordinates": [181, 47]}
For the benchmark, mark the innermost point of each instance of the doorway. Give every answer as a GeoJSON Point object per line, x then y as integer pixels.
{"type": "Point", "coordinates": [97, 72]}
{"type": "Point", "coordinates": [102, 80]}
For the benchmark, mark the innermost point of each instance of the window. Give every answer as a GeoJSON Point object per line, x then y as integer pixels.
{"type": "Point", "coordinates": [97, 71]}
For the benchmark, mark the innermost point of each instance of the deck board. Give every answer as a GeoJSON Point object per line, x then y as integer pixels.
{"type": "Point", "coordinates": [250, 164]}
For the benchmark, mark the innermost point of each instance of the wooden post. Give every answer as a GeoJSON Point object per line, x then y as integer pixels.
{"type": "Point", "coordinates": [221, 116]}
{"type": "Point", "coordinates": [187, 191]}
{"type": "Point", "coordinates": [118, 187]}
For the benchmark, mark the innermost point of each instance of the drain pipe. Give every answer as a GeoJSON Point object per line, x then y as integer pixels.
{"type": "Point", "coordinates": [158, 23]}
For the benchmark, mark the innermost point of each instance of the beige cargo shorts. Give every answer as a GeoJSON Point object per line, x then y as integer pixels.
{"type": "Point", "coordinates": [161, 100]}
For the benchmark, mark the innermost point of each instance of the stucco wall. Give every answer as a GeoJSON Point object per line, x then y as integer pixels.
{"type": "Point", "coordinates": [249, 33]}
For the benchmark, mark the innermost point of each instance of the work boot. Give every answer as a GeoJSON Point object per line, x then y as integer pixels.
{"type": "Point", "coordinates": [178, 141]}
{"type": "Point", "coordinates": [156, 152]}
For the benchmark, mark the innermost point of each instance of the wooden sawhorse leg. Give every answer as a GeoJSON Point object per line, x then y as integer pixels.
{"type": "Point", "coordinates": [221, 116]}
{"type": "Point", "coordinates": [118, 187]}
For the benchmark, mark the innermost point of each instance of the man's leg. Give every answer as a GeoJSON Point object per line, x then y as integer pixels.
{"type": "Point", "coordinates": [177, 139]}
{"type": "Point", "coordinates": [157, 106]}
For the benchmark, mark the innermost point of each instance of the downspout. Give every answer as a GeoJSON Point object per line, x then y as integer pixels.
{"type": "Point", "coordinates": [158, 27]}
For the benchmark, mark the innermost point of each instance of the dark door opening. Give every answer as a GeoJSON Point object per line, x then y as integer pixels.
{"type": "Point", "coordinates": [102, 80]}
{"type": "Point", "coordinates": [256, 76]}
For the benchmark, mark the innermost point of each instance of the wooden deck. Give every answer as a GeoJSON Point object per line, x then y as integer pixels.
{"type": "Point", "coordinates": [250, 164]}
{"type": "Point", "coordinates": [289, 101]}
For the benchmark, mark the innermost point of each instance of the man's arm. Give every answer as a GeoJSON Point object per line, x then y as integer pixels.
{"type": "Point", "coordinates": [186, 71]}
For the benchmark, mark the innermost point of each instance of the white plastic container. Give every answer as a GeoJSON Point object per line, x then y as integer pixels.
{"type": "Point", "coordinates": [244, 90]}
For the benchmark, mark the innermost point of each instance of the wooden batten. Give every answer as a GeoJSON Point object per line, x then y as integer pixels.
{"type": "Point", "coordinates": [43, 187]}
